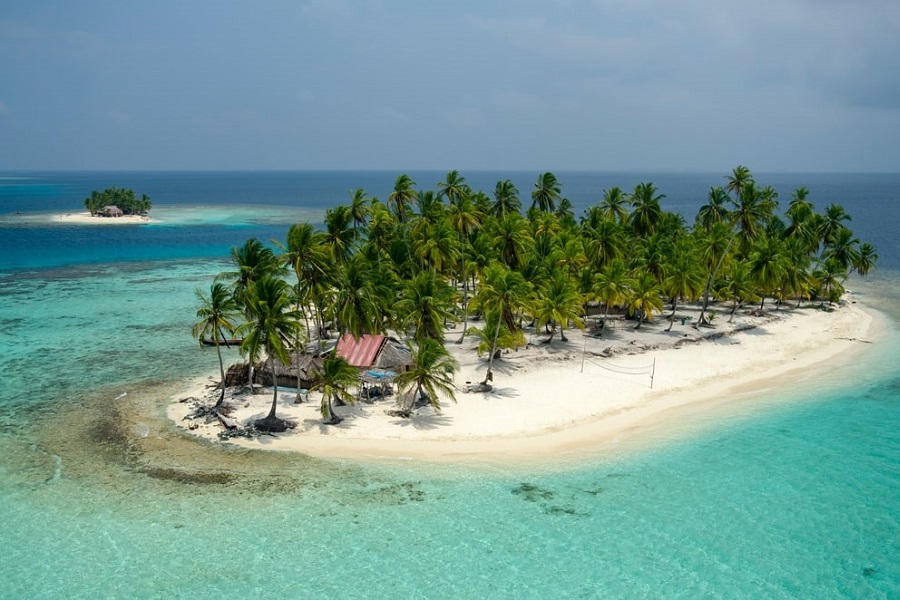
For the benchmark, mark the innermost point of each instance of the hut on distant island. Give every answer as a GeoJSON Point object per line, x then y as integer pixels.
{"type": "Point", "coordinates": [112, 211]}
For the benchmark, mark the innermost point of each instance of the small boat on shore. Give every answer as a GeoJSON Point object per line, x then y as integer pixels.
{"type": "Point", "coordinates": [223, 342]}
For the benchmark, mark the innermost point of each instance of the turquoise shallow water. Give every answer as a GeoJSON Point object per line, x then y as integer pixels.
{"type": "Point", "coordinates": [795, 494]}
{"type": "Point", "coordinates": [796, 497]}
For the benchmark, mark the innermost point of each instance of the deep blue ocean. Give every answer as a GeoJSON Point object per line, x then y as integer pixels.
{"type": "Point", "coordinates": [796, 494]}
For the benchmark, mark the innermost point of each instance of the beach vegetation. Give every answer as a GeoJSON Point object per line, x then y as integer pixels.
{"type": "Point", "coordinates": [267, 334]}
{"type": "Point", "coordinates": [126, 200]}
{"type": "Point", "coordinates": [335, 379]}
{"type": "Point", "coordinates": [252, 261]}
{"type": "Point", "coordinates": [217, 313]}
{"type": "Point", "coordinates": [427, 259]}
{"type": "Point", "coordinates": [430, 377]}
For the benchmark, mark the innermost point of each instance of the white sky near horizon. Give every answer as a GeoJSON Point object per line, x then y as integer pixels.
{"type": "Point", "coordinates": [603, 85]}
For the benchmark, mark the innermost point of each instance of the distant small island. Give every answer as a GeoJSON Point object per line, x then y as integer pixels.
{"type": "Point", "coordinates": [115, 202]}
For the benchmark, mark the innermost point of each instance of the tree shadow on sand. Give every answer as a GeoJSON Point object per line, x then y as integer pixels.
{"type": "Point", "coordinates": [424, 422]}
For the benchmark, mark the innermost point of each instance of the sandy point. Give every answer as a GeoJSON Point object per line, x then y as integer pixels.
{"type": "Point", "coordinates": [87, 219]}
{"type": "Point", "coordinates": [558, 403]}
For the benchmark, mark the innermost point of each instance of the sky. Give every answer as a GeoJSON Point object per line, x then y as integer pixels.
{"type": "Point", "coordinates": [602, 85]}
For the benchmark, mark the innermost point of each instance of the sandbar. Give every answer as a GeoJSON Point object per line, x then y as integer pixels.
{"type": "Point", "coordinates": [85, 218]}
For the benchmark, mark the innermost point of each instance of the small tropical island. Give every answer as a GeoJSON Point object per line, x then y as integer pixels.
{"type": "Point", "coordinates": [112, 206]}
{"type": "Point", "coordinates": [450, 315]}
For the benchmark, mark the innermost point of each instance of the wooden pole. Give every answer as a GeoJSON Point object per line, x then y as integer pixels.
{"type": "Point", "coordinates": [583, 351]}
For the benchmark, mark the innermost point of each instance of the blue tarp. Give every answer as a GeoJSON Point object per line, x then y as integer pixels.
{"type": "Point", "coordinates": [380, 374]}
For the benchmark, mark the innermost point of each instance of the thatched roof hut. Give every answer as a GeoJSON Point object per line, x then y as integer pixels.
{"type": "Point", "coordinates": [285, 375]}
{"type": "Point", "coordinates": [112, 211]}
{"type": "Point", "coordinates": [394, 356]}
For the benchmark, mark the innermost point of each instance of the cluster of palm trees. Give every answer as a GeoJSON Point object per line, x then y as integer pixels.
{"type": "Point", "coordinates": [125, 199]}
{"type": "Point", "coordinates": [425, 259]}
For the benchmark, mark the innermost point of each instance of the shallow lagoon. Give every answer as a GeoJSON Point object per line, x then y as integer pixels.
{"type": "Point", "coordinates": [793, 494]}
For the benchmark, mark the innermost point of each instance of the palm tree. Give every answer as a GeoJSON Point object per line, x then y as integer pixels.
{"type": "Point", "coordinates": [439, 247]}
{"type": "Point", "coordinates": [215, 322]}
{"type": "Point", "coordinates": [605, 241]}
{"type": "Point", "coordinates": [308, 256]}
{"type": "Point", "coordinates": [381, 226]}
{"type": "Point", "coordinates": [865, 259]}
{"type": "Point", "coordinates": [340, 232]}
{"type": "Point", "coordinates": [359, 207]}
{"type": "Point", "coordinates": [612, 286]}
{"type": "Point", "coordinates": [832, 223]}
{"type": "Point", "coordinates": [503, 292]}
{"type": "Point", "coordinates": [359, 306]}
{"type": "Point", "coordinates": [614, 205]}
{"type": "Point", "coordinates": [715, 244]}
{"type": "Point", "coordinates": [489, 339]}
{"type": "Point", "coordinates": [739, 179]}
{"type": "Point", "coordinates": [512, 239]}
{"type": "Point", "coordinates": [404, 197]}
{"type": "Point", "coordinates": [645, 297]}
{"type": "Point", "coordinates": [738, 285]}
{"type": "Point", "coordinates": [254, 262]}
{"type": "Point", "coordinates": [506, 199]}
{"type": "Point", "coordinates": [652, 254]}
{"type": "Point", "coordinates": [804, 222]}
{"type": "Point", "coordinates": [454, 187]}
{"type": "Point", "coordinates": [483, 254]}
{"type": "Point", "coordinates": [571, 253]}
{"type": "Point", "coordinates": [647, 213]}
{"type": "Point", "coordinates": [842, 248]}
{"type": "Point", "coordinates": [465, 218]}
{"type": "Point", "coordinates": [715, 209]}
{"type": "Point", "coordinates": [333, 379]}
{"type": "Point", "coordinates": [558, 303]}
{"type": "Point", "coordinates": [796, 279]}
{"type": "Point", "coordinates": [565, 212]}
{"type": "Point", "coordinates": [748, 217]}
{"type": "Point", "coordinates": [426, 303]}
{"type": "Point", "coordinates": [800, 207]}
{"type": "Point", "coordinates": [829, 276]}
{"type": "Point", "coordinates": [432, 373]}
{"type": "Point", "coordinates": [767, 263]}
{"type": "Point", "coordinates": [683, 276]}
{"type": "Point", "coordinates": [272, 324]}
{"type": "Point", "coordinates": [547, 192]}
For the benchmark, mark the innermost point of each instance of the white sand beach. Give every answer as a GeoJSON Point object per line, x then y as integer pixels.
{"type": "Point", "coordinates": [87, 219]}
{"type": "Point", "coordinates": [559, 400]}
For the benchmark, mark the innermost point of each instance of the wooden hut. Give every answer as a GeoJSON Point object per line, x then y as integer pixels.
{"type": "Point", "coordinates": [374, 352]}
{"type": "Point", "coordinates": [379, 359]}
{"type": "Point", "coordinates": [112, 211]}
{"type": "Point", "coordinates": [286, 375]}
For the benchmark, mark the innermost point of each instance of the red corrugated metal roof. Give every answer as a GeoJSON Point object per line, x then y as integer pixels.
{"type": "Point", "coordinates": [361, 352]}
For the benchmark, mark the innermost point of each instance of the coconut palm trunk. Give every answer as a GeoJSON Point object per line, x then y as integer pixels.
{"type": "Point", "coordinates": [465, 302]}
{"type": "Point", "coordinates": [702, 320]}
{"type": "Point", "coordinates": [489, 376]}
{"type": "Point", "coordinates": [672, 316]}
{"type": "Point", "coordinates": [271, 414]}
{"type": "Point", "coordinates": [221, 399]}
